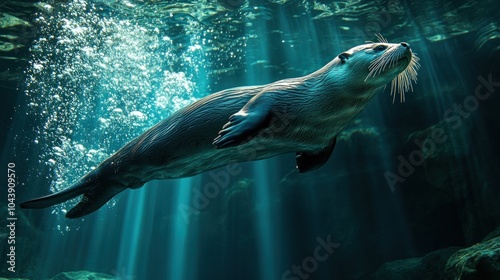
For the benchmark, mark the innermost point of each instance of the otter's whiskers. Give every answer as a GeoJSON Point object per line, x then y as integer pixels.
{"type": "Point", "coordinates": [402, 83]}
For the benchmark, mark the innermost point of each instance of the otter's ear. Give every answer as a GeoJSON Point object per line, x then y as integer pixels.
{"type": "Point", "coordinates": [344, 56]}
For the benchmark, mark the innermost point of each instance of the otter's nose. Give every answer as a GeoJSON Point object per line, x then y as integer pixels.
{"type": "Point", "coordinates": [406, 45]}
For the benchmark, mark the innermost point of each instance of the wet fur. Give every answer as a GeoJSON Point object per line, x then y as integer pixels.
{"type": "Point", "coordinates": [307, 114]}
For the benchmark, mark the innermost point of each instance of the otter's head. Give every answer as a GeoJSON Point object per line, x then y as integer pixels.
{"type": "Point", "coordinates": [377, 64]}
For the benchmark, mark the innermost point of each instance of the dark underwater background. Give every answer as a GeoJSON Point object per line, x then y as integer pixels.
{"type": "Point", "coordinates": [412, 190]}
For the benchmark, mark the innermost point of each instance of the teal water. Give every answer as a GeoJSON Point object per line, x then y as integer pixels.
{"type": "Point", "coordinates": [81, 78]}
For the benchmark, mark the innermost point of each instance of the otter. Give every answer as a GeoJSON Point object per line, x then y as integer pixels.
{"type": "Point", "coordinates": [302, 115]}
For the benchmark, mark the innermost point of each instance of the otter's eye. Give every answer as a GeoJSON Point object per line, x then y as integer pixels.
{"type": "Point", "coordinates": [380, 48]}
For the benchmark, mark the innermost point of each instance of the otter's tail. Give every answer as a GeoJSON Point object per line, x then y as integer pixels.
{"type": "Point", "coordinates": [95, 194]}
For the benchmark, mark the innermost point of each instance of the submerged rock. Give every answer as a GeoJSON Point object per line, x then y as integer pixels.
{"type": "Point", "coordinates": [478, 262]}
{"type": "Point", "coordinates": [431, 266]}
{"type": "Point", "coordinates": [491, 235]}
{"type": "Point", "coordinates": [409, 268]}
{"type": "Point", "coordinates": [481, 262]}
{"type": "Point", "coordinates": [440, 144]}
{"type": "Point", "coordinates": [83, 275]}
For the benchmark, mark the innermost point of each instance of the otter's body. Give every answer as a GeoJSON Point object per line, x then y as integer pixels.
{"type": "Point", "coordinates": [302, 115]}
{"type": "Point", "coordinates": [305, 118]}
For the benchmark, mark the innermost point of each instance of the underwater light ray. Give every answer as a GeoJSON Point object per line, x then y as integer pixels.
{"type": "Point", "coordinates": [179, 229]}
{"type": "Point", "coordinates": [131, 233]}
{"type": "Point", "coordinates": [264, 221]}
{"type": "Point", "coordinates": [265, 230]}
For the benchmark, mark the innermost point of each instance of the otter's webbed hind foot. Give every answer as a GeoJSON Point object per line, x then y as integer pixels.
{"type": "Point", "coordinates": [309, 161]}
{"type": "Point", "coordinates": [95, 194]}
{"type": "Point", "coordinates": [94, 199]}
